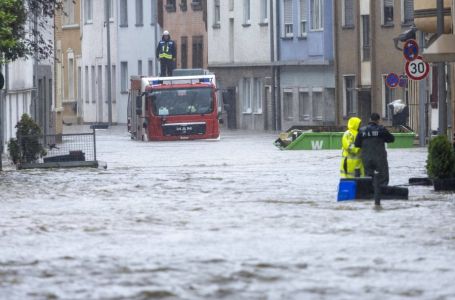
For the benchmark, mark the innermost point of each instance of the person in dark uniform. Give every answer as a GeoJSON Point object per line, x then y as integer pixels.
{"type": "Point", "coordinates": [371, 139]}
{"type": "Point", "coordinates": [166, 53]}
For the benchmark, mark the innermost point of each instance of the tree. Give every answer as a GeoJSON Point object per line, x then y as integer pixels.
{"type": "Point", "coordinates": [26, 148]}
{"type": "Point", "coordinates": [19, 41]}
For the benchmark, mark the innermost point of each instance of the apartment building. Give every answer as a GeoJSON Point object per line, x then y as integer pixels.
{"type": "Point", "coordinates": [67, 57]}
{"type": "Point", "coordinates": [305, 60]}
{"type": "Point", "coordinates": [240, 53]}
{"type": "Point", "coordinates": [28, 89]}
{"type": "Point", "coordinates": [132, 41]}
{"type": "Point", "coordinates": [186, 21]}
{"type": "Point", "coordinates": [365, 54]}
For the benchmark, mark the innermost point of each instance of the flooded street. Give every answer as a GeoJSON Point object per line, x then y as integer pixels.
{"type": "Point", "coordinates": [230, 219]}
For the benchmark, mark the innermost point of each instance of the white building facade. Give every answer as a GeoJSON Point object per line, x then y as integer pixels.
{"type": "Point", "coordinates": [240, 53]}
{"type": "Point", "coordinates": [29, 89]}
{"type": "Point", "coordinates": [133, 32]}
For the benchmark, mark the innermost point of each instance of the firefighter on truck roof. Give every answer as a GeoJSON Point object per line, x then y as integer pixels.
{"type": "Point", "coordinates": [167, 54]}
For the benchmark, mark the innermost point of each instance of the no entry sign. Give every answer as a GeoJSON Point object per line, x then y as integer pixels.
{"type": "Point", "coordinates": [417, 69]}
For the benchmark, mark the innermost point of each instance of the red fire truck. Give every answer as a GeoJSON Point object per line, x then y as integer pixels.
{"type": "Point", "coordinates": [173, 108]}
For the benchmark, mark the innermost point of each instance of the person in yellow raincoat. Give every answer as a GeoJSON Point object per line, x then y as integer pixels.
{"type": "Point", "coordinates": [351, 163]}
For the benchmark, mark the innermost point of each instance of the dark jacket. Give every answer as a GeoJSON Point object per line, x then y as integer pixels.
{"type": "Point", "coordinates": [166, 49]}
{"type": "Point", "coordinates": [372, 139]}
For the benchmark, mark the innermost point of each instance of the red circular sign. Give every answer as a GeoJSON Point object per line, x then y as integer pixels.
{"type": "Point", "coordinates": [417, 69]}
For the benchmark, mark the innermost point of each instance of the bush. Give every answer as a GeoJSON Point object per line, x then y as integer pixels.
{"type": "Point", "coordinates": [26, 147]}
{"type": "Point", "coordinates": [441, 158]}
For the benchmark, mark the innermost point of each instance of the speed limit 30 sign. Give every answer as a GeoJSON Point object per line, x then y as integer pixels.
{"type": "Point", "coordinates": [417, 69]}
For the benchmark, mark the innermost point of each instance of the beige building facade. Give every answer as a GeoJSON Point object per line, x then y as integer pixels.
{"type": "Point", "coordinates": [365, 54]}
{"type": "Point", "coordinates": [67, 58]}
{"type": "Point", "coordinates": [186, 21]}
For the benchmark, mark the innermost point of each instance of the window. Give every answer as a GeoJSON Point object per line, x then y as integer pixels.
{"type": "Point", "coordinates": [348, 13]}
{"type": "Point", "coordinates": [106, 80]}
{"type": "Point", "coordinates": [88, 11]}
{"type": "Point", "coordinates": [198, 43]}
{"type": "Point", "coordinates": [124, 76]}
{"type": "Point", "coordinates": [246, 95]}
{"type": "Point", "coordinates": [183, 5]}
{"type": "Point", "coordinates": [114, 84]}
{"type": "Point", "coordinates": [184, 52]}
{"type": "Point", "coordinates": [217, 14]}
{"type": "Point", "coordinates": [111, 9]}
{"type": "Point", "coordinates": [288, 105]}
{"type": "Point", "coordinates": [387, 97]}
{"type": "Point", "coordinates": [350, 103]}
{"type": "Point", "coordinates": [68, 12]}
{"type": "Point", "coordinates": [288, 24]}
{"type": "Point", "coordinates": [318, 104]}
{"type": "Point", "coordinates": [196, 4]}
{"type": "Point", "coordinates": [387, 12]}
{"type": "Point", "coordinates": [170, 5]}
{"type": "Point", "coordinates": [408, 12]}
{"type": "Point", "coordinates": [264, 12]}
{"type": "Point", "coordinates": [86, 86]}
{"type": "Point", "coordinates": [303, 18]}
{"type": "Point", "coordinates": [123, 13]}
{"type": "Point", "coordinates": [139, 67]}
{"type": "Point", "coordinates": [366, 38]}
{"type": "Point", "coordinates": [150, 67]}
{"type": "Point", "coordinates": [316, 15]}
{"type": "Point", "coordinates": [71, 78]}
{"type": "Point", "coordinates": [257, 96]}
{"type": "Point", "coordinates": [246, 12]}
{"type": "Point", "coordinates": [231, 5]}
{"type": "Point", "coordinates": [79, 83]}
{"type": "Point", "coordinates": [100, 84]}
{"type": "Point", "coordinates": [139, 13]}
{"type": "Point", "coordinates": [93, 88]}
{"type": "Point", "coordinates": [153, 12]}
{"type": "Point", "coordinates": [304, 105]}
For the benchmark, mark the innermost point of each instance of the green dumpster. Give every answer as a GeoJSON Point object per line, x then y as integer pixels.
{"type": "Point", "coordinates": [332, 140]}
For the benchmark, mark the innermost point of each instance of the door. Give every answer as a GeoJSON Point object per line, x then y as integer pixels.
{"type": "Point", "coordinates": [230, 107]}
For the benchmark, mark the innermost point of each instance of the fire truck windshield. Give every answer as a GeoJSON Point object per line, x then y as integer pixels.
{"type": "Point", "coordinates": [182, 101]}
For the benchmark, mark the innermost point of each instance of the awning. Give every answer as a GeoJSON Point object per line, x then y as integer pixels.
{"type": "Point", "coordinates": [442, 50]}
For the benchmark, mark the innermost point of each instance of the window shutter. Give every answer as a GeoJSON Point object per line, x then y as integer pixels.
{"type": "Point", "coordinates": [408, 10]}
{"type": "Point", "coordinates": [348, 12]}
{"type": "Point", "coordinates": [303, 10]}
{"type": "Point", "coordinates": [288, 11]}
{"type": "Point", "coordinates": [388, 3]}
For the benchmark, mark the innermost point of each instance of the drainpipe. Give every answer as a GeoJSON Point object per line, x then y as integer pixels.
{"type": "Point", "coordinates": [422, 101]}
{"type": "Point", "coordinates": [339, 108]}
{"type": "Point", "coordinates": [272, 60]}
{"type": "Point", "coordinates": [442, 111]}
{"type": "Point", "coordinates": [278, 71]}
{"type": "Point", "coordinates": [109, 76]}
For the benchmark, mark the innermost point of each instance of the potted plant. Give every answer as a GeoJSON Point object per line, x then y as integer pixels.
{"type": "Point", "coordinates": [26, 147]}
{"type": "Point", "coordinates": [441, 164]}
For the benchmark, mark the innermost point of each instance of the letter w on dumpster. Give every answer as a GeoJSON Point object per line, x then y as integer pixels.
{"type": "Point", "coordinates": [316, 145]}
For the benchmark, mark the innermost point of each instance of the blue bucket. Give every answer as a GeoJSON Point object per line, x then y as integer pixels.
{"type": "Point", "coordinates": [347, 190]}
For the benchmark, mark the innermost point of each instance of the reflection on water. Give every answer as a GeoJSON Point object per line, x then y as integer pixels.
{"type": "Point", "coordinates": [233, 219]}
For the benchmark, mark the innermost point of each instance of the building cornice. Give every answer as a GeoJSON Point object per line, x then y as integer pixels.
{"type": "Point", "coordinates": [272, 64]}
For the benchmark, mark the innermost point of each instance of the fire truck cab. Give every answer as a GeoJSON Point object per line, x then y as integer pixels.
{"type": "Point", "coordinates": [173, 108]}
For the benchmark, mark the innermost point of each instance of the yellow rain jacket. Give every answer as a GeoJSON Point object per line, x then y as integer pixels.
{"type": "Point", "coordinates": [351, 160]}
